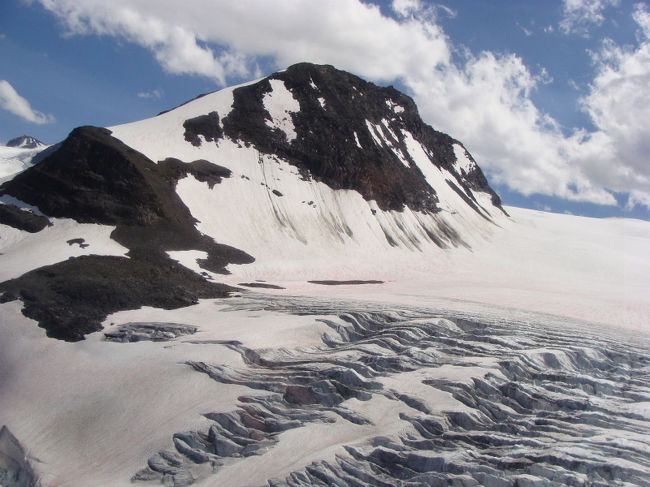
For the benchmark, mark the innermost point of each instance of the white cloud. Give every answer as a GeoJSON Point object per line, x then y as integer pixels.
{"type": "Point", "coordinates": [482, 99]}
{"type": "Point", "coordinates": [151, 95]}
{"type": "Point", "coordinates": [618, 103]}
{"type": "Point", "coordinates": [405, 8]}
{"type": "Point", "coordinates": [578, 16]}
{"type": "Point", "coordinates": [220, 38]}
{"type": "Point", "coordinates": [11, 101]}
{"type": "Point", "coordinates": [486, 104]}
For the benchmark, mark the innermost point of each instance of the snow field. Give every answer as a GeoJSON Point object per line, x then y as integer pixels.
{"type": "Point", "coordinates": [21, 252]}
{"type": "Point", "coordinates": [15, 159]}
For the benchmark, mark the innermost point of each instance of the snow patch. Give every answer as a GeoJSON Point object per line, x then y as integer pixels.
{"type": "Point", "coordinates": [189, 258]}
{"type": "Point", "coordinates": [321, 100]}
{"type": "Point", "coordinates": [463, 162]}
{"type": "Point", "coordinates": [382, 134]}
{"type": "Point", "coordinates": [397, 109]}
{"type": "Point", "coordinates": [21, 252]}
{"type": "Point", "coordinates": [356, 140]}
{"type": "Point", "coordinates": [280, 104]}
{"type": "Point", "coordinates": [373, 133]}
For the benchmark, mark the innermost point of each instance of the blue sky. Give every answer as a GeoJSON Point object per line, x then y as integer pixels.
{"type": "Point", "coordinates": [552, 98]}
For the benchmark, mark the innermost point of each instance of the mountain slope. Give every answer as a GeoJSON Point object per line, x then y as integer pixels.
{"type": "Point", "coordinates": [16, 159]}
{"type": "Point", "coordinates": [403, 337]}
{"type": "Point", "coordinates": [95, 179]}
{"type": "Point", "coordinates": [301, 169]}
{"type": "Point", "coordinates": [341, 163]}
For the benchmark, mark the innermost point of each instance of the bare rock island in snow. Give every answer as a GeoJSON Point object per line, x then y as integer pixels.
{"type": "Point", "coordinates": [309, 154]}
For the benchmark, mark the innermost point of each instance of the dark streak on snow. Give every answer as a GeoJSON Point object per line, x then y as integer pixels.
{"type": "Point", "coordinates": [260, 285]}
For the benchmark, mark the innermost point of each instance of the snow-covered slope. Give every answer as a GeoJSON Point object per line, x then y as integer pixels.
{"type": "Point", "coordinates": [15, 159]}
{"type": "Point", "coordinates": [384, 183]}
{"type": "Point", "coordinates": [18, 155]}
{"type": "Point", "coordinates": [312, 169]}
{"type": "Point", "coordinates": [409, 332]}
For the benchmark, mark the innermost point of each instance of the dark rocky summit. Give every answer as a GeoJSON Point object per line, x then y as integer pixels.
{"type": "Point", "coordinates": [335, 107]}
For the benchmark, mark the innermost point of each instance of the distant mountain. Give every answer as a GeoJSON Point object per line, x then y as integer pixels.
{"type": "Point", "coordinates": [26, 142]}
{"type": "Point", "coordinates": [309, 163]}
{"type": "Point", "coordinates": [19, 154]}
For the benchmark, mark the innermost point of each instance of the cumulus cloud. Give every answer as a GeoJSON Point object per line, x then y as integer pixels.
{"type": "Point", "coordinates": [11, 101]}
{"type": "Point", "coordinates": [483, 99]}
{"type": "Point", "coordinates": [220, 38]}
{"type": "Point", "coordinates": [580, 15]}
{"type": "Point", "coordinates": [486, 104]}
{"type": "Point", "coordinates": [404, 8]}
{"type": "Point", "coordinates": [617, 154]}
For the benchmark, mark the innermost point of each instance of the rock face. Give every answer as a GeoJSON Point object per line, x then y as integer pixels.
{"type": "Point", "coordinates": [25, 142]}
{"type": "Point", "coordinates": [343, 131]}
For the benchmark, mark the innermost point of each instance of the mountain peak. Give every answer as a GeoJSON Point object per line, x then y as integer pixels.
{"type": "Point", "coordinates": [311, 169]}
{"type": "Point", "coordinates": [26, 142]}
{"type": "Point", "coordinates": [346, 132]}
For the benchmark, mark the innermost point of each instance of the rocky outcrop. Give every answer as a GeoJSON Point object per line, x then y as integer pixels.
{"type": "Point", "coordinates": [22, 219]}
{"type": "Point", "coordinates": [25, 142]}
{"type": "Point", "coordinates": [95, 178]}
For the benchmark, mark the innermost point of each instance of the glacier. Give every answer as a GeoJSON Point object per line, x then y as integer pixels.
{"type": "Point", "coordinates": [296, 282]}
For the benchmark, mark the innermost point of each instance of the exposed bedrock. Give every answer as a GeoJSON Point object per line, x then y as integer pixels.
{"type": "Point", "coordinates": [340, 119]}
{"type": "Point", "coordinates": [72, 298]}
{"type": "Point", "coordinates": [94, 178]}
{"type": "Point", "coordinates": [534, 405]}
